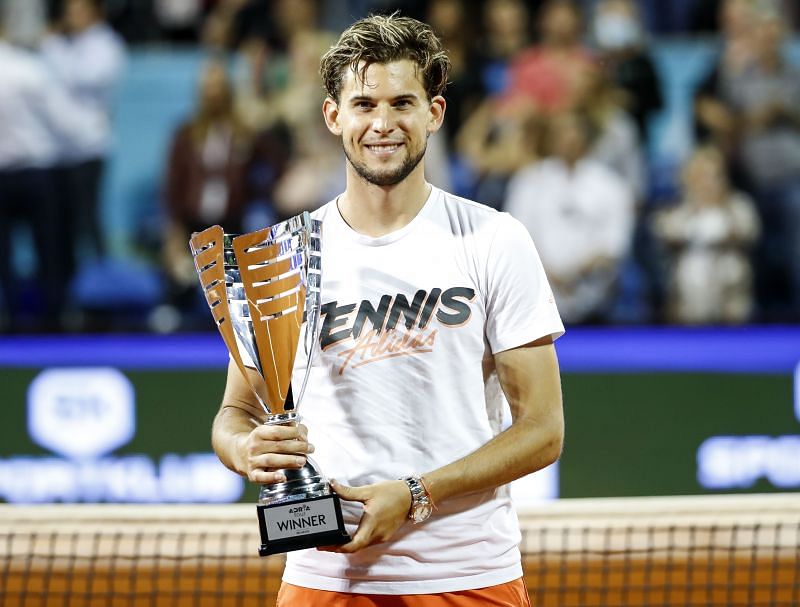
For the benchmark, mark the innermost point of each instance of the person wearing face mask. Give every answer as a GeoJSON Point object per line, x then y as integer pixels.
{"type": "Point", "coordinates": [620, 39]}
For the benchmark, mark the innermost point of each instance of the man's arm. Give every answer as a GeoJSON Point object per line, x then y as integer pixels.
{"type": "Point", "coordinates": [530, 379]}
{"type": "Point", "coordinates": [248, 447]}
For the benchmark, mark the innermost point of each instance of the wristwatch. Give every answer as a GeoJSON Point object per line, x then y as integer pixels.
{"type": "Point", "coordinates": [421, 504]}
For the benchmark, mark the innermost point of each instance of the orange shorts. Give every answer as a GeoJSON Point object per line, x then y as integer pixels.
{"type": "Point", "coordinates": [511, 594]}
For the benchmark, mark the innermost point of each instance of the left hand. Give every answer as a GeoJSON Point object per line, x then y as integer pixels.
{"type": "Point", "coordinates": [386, 507]}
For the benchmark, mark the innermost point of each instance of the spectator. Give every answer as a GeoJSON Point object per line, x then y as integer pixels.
{"type": "Point", "coordinates": [714, 120]}
{"type": "Point", "coordinates": [206, 179]}
{"type": "Point", "coordinates": [709, 235]}
{"type": "Point", "coordinates": [546, 78]}
{"type": "Point", "coordinates": [706, 14]}
{"type": "Point", "coordinates": [219, 31]}
{"type": "Point", "coordinates": [25, 21]}
{"type": "Point", "coordinates": [88, 59]}
{"type": "Point", "coordinates": [262, 32]}
{"type": "Point", "coordinates": [551, 74]}
{"type": "Point", "coordinates": [314, 173]}
{"type": "Point", "coordinates": [498, 139]}
{"type": "Point", "coordinates": [581, 216]}
{"type": "Point", "coordinates": [490, 141]}
{"type": "Point", "coordinates": [749, 104]}
{"type": "Point", "coordinates": [451, 21]}
{"type": "Point", "coordinates": [617, 143]}
{"type": "Point", "coordinates": [178, 20]}
{"type": "Point", "coordinates": [282, 92]}
{"type": "Point", "coordinates": [620, 39]}
{"type": "Point", "coordinates": [37, 119]}
{"type": "Point", "coordinates": [506, 33]}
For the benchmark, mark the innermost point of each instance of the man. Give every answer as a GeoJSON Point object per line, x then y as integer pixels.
{"type": "Point", "coordinates": [432, 305]}
{"type": "Point", "coordinates": [38, 121]}
{"type": "Point", "coordinates": [581, 215]}
{"type": "Point", "coordinates": [88, 59]}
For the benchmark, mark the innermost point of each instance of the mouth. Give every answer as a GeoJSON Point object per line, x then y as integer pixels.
{"type": "Point", "coordinates": [383, 149]}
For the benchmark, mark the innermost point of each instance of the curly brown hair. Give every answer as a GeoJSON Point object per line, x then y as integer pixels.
{"type": "Point", "coordinates": [382, 39]}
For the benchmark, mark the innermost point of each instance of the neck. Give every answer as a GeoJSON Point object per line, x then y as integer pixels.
{"type": "Point", "coordinates": [378, 210]}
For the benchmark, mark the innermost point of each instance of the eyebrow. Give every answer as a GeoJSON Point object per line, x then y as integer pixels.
{"type": "Point", "coordinates": [403, 97]}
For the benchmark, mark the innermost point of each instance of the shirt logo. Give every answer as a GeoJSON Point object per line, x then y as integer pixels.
{"type": "Point", "coordinates": [397, 327]}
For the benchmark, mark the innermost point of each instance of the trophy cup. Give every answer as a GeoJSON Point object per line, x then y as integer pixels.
{"type": "Point", "coordinates": [263, 289]}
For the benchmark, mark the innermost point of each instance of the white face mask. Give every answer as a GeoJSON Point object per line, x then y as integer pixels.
{"type": "Point", "coordinates": [614, 31]}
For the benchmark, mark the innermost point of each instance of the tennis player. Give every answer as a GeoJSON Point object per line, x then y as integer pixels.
{"type": "Point", "coordinates": [436, 311]}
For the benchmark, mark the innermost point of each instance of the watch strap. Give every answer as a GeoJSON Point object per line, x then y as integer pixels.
{"type": "Point", "coordinates": [420, 498]}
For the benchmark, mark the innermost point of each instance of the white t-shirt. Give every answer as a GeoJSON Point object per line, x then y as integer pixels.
{"type": "Point", "coordinates": [398, 386]}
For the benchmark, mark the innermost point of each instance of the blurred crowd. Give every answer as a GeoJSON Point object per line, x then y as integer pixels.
{"type": "Point", "coordinates": [550, 113]}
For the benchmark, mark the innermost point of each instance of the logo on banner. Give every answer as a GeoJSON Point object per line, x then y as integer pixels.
{"type": "Point", "coordinates": [81, 412]}
{"type": "Point", "coordinates": [83, 415]}
{"type": "Point", "coordinates": [739, 462]}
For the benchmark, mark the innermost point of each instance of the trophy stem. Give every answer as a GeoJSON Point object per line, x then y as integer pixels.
{"type": "Point", "coordinates": [300, 483]}
{"type": "Point", "coordinates": [289, 418]}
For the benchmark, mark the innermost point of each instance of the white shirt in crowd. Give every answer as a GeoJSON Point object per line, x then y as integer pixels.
{"type": "Point", "coordinates": [90, 65]}
{"type": "Point", "coordinates": [711, 275]}
{"type": "Point", "coordinates": [38, 119]}
{"type": "Point", "coordinates": [576, 216]}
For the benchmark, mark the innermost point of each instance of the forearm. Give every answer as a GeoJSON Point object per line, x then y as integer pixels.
{"type": "Point", "coordinates": [228, 435]}
{"type": "Point", "coordinates": [525, 447]}
{"type": "Point", "coordinates": [248, 446]}
{"type": "Point", "coordinates": [530, 379]}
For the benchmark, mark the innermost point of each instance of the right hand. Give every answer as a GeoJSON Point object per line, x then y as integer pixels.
{"type": "Point", "coordinates": [269, 449]}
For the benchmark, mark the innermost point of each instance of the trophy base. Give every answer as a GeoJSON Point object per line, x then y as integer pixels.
{"type": "Point", "coordinates": [300, 524]}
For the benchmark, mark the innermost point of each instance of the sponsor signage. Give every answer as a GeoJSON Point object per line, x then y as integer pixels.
{"type": "Point", "coordinates": [82, 415]}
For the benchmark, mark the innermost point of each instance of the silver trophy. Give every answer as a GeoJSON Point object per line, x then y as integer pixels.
{"type": "Point", "coordinates": [263, 289]}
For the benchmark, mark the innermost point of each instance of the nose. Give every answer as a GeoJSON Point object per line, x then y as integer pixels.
{"type": "Point", "coordinates": [382, 120]}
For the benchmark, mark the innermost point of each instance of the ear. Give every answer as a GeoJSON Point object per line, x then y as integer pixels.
{"type": "Point", "coordinates": [330, 110]}
{"type": "Point", "coordinates": [436, 114]}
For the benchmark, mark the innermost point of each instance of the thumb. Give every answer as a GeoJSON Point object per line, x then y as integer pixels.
{"type": "Point", "coordinates": [351, 494]}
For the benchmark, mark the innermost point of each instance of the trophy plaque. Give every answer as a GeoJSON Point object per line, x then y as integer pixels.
{"type": "Point", "coordinates": [263, 289]}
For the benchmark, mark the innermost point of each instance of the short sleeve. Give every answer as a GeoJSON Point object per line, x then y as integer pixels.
{"type": "Point", "coordinates": [520, 307]}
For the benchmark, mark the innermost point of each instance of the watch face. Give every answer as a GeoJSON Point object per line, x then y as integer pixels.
{"type": "Point", "coordinates": [422, 512]}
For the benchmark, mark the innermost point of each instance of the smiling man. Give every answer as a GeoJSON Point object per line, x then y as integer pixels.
{"type": "Point", "coordinates": [436, 313]}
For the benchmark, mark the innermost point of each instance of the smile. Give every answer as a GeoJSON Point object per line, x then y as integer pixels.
{"type": "Point", "coordinates": [383, 149]}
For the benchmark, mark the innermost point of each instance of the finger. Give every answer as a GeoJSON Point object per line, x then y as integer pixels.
{"type": "Point", "coordinates": [284, 446]}
{"type": "Point", "coordinates": [277, 433]}
{"type": "Point", "coordinates": [303, 430]}
{"type": "Point", "coordinates": [266, 477]}
{"type": "Point", "coordinates": [362, 537]}
{"type": "Point", "coordinates": [351, 494]}
{"type": "Point", "coordinates": [295, 447]}
{"type": "Point", "coordinates": [354, 545]}
{"type": "Point", "coordinates": [274, 461]}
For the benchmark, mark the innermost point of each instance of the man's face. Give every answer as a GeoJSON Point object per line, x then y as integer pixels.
{"type": "Point", "coordinates": [79, 15]}
{"type": "Point", "coordinates": [384, 122]}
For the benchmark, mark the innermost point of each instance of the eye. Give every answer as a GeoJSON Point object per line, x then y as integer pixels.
{"type": "Point", "coordinates": [403, 104]}
{"type": "Point", "coordinates": [363, 105]}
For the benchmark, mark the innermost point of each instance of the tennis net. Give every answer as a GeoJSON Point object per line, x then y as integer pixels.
{"type": "Point", "coordinates": [733, 551]}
